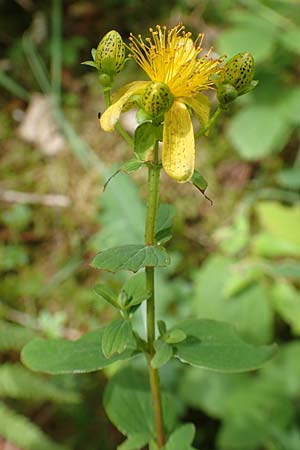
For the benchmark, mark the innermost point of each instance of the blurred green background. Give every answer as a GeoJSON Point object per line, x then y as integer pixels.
{"type": "Point", "coordinates": [238, 260]}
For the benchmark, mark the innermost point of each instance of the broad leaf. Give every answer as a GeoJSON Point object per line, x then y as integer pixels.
{"type": "Point", "coordinates": [259, 131]}
{"type": "Point", "coordinates": [117, 337]}
{"type": "Point", "coordinates": [182, 438]}
{"type": "Point", "coordinates": [286, 299]}
{"type": "Point", "coordinates": [131, 257]}
{"type": "Point", "coordinates": [216, 346]}
{"type": "Point", "coordinates": [64, 356]}
{"type": "Point", "coordinates": [134, 442]}
{"type": "Point", "coordinates": [128, 404]}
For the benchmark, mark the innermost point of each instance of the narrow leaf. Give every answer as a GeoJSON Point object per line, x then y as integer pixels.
{"type": "Point", "coordinates": [200, 183]}
{"type": "Point", "coordinates": [163, 228]}
{"type": "Point", "coordinates": [131, 257]}
{"type": "Point", "coordinates": [136, 289]}
{"type": "Point", "coordinates": [144, 138]}
{"type": "Point", "coordinates": [174, 336]}
{"type": "Point", "coordinates": [163, 353]}
{"type": "Point", "coordinates": [108, 294]}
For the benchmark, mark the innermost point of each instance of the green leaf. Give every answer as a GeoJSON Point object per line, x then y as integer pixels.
{"type": "Point", "coordinates": [131, 257]}
{"type": "Point", "coordinates": [286, 301]}
{"type": "Point", "coordinates": [182, 438]}
{"type": "Point", "coordinates": [117, 337]}
{"type": "Point", "coordinates": [20, 383]}
{"type": "Point", "coordinates": [128, 404]}
{"type": "Point", "coordinates": [62, 356]}
{"type": "Point", "coordinates": [121, 221]}
{"type": "Point", "coordinates": [136, 290]}
{"type": "Point", "coordinates": [144, 138]}
{"type": "Point", "coordinates": [134, 442]}
{"type": "Point", "coordinates": [14, 337]}
{"type": "Point", "coordinates": [209, 391]}
{"type": "Point", "coordinates": [174, 336]}
{"type": "Point", "coordinates": [245, 305]}
{"type": "Point", "coordinates": [20, 431]}
{"type": "Point", "coordinates": [163, 228]}
{"type": "Point", "coordinates": [281, 221]}
{"type": "Point", "coordinates": [130, 166]}
{"type": "Point", "coordinates": [290, 39]}
{"type": "Point", "coordinates": [288, 269]}
{"type": "Point", "coordinates": [163, 353]}
{"type": "Point", "coordinates": [259, 42]}
{"type": "Point", "coordinates": [200, 183]}
{"type": "Point", "coordinates": [108, 294]}
{"type": "Point", "coordinates": [216, 346]}
{"type": "Point", "coordinates": [289, 178]}
{"type": "Point", "coordinates": [264, 244]}
{"type": "Point", "coordinates": [259, 131]}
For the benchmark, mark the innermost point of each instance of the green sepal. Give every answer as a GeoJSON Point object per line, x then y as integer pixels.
{"type": "Point", "coordinates": [144, 138]}
{"type": "Point", "coordinates": [117, 337]}
{"type": "Point", "coordinates": [130, 166]}
{"type": "Point", "coordinates": [108, 294]}
{"type": "Point", "coordinates": [163, 353]}
{"type": "Point", "coordinates": [131, 257]}
{"type": "Point", "coordinates": [201, 184]}
{"type": "Point", "coordinates": [93, 53]}
{"type": "Point", "coordinates": [89, 63]}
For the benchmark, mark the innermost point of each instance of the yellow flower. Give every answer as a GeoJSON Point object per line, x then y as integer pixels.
{"type": "Point", "coordinates": [171, 57]}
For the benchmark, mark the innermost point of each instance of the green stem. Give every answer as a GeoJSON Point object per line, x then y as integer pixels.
{"type": "Point", "coordinates": [118, 126]}
{"type": "Point", "coordinates": [211, 122]}
{"type": "Point", "coordinates": [152, 207]}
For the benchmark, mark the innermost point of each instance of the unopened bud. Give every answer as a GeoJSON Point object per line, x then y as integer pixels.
{"type": "Point", "coordinates": [226, 94]}
{"type": "Point", "coordinates": [239, 71]}
{"type": "Point", "coordinates": [157, 99]}
{"type": "Point", "coordinates": [110, 53]}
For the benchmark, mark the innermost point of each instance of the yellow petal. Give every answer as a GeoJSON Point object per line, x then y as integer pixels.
{"type": "Point", "coordinates": [201, 106]}
{"type": "Point", "coordinates": [178, 152]}
{"type": "Point", "coordinates": [111, 116]}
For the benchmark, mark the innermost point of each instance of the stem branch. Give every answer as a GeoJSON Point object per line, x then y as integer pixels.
{"type": "Point", "coordinates": [152, 206]}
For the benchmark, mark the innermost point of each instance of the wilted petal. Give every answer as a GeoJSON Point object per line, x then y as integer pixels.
{"type": "Point", "coordinates": [110, 117]}
{"type": "Point", "coordinates": [178, 153]}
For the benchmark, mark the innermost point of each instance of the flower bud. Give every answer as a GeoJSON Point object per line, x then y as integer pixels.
{"type": "Point", "coordinates": [239, 71]}
{"type": "Point", "coordinates": [157, 99]}
{"type": "Point", "coordinates": [110, 53]}
{"type": "Point", "coordinates": [226, 94]}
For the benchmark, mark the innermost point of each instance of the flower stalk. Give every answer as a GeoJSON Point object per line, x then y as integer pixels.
{"type": "Point", "coordinates": [152, 207]}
